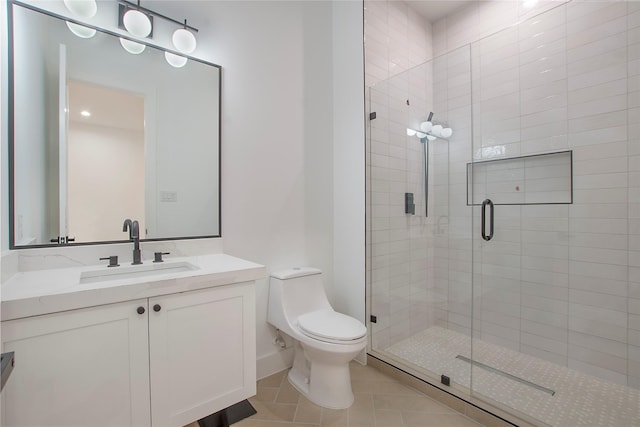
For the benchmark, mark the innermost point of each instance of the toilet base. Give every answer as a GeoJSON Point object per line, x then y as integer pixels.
{"type": "Point", "coordinates": [327, 384]}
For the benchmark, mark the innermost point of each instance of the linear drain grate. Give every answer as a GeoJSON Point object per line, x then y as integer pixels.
{"type": "Point", "coordinates": [506, 374]}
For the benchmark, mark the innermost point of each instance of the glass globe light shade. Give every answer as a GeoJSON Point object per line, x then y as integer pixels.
{"type": "Point", "coordinates": [431, 137]}
{"type": "Point", "coordinates": [82, 8]}
{"type": "Point", "coordinates": [421, 135]}
{"type": "Point", "coordinates": [132, 47]}
{"type": "Point", "coordinates": [137, 23]}
{"type": "Point", "coordinates": [81, 31]}
{"type": "Point", "coordinates": [447, 132]}
{"type": "Point", "coordinates": [175, 60]}
{"type": "Point", "coordinates": [436, 130]}
{"type": "Point", "coordinates": [410, 132]}
{"type": "Point", "coordinates": [184, 40]}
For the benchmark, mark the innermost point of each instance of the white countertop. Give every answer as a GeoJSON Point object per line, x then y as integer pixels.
{"type": "Point", "coordinates": [34, 293]}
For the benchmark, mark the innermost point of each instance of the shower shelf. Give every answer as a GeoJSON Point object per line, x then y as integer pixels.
{"type": "Point", "coordinates": [538, 179]}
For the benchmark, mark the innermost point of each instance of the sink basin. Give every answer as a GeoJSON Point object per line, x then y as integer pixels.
{"type": "Point", "coordinates": [127, 272]}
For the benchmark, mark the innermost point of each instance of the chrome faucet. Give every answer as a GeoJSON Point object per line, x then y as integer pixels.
{"type": "Point", "coordinates": [134, 234]}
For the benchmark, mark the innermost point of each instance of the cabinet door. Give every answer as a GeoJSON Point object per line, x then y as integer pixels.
{"type": "Point", "coordinates": [87, 367]}
{"type": "Point", "coordinates": [202, 352]}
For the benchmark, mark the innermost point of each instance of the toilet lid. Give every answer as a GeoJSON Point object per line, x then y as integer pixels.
{"type": "Point", "coordinates": [328, 324]}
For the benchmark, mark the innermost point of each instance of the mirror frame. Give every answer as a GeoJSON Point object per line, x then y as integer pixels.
{"type": "Point", "coordinates": [11, 123]}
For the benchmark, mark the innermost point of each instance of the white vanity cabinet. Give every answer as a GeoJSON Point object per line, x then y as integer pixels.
{"type": "Point", "coordinates": [202, 348]}
{"type": "Point", "coordinates": [79, 368]}
{"type": "Point", "coordinates": [159, 361]}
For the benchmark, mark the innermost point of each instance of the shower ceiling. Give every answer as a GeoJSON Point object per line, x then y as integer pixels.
{"type": "Point", "coordinates": [437, 9]}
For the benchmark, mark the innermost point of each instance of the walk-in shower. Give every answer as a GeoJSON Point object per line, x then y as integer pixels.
{"type": "Point", "coordinates": [521, 285]}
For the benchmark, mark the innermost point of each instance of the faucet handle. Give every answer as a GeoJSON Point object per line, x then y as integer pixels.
{"type": "Point", "coordinates": [113, 260]}
{"type": "Point", "coordinates": [157, 256]}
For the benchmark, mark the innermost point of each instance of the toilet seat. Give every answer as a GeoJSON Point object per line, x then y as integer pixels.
{"type": "Point", "coordinates": [331, 326]}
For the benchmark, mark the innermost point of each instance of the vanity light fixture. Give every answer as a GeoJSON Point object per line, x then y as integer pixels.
{"type": "Point", "coordinates": [132, 47]}
{"type": "Point", "coordinates": [138, 21]}
{"type": "Point", "coordinates": [174, 60]}
{"type": "Point", "coordinates": [80, 30]}
{"type": "Point", "coordinates": [184, 40]}
{"type": "Point", "coordinates": [84, 9]}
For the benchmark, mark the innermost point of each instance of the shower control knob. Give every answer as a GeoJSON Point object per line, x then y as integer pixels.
{"type": "Point", "coordinates": [140, 310]}
{"type": "Point", "coordinates": [157, 308]}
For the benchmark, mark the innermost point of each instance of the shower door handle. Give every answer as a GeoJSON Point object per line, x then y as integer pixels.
{"type": "Point", "coordinates": [483, 227]}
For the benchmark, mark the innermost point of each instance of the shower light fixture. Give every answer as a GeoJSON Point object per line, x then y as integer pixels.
{"type": "Point", "coordinates": [427, 130]}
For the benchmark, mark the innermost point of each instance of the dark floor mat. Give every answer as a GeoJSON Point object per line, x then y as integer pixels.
{"type": "Point", "coordinates": [231, 415]}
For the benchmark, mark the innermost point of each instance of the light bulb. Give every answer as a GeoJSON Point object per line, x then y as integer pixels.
{"type": "Point", "coordinates": [436, 130]}
{"type": "Point", "coordinates": [426, 126]}
{"type": "Point", "coordinates": [184, 40]}
{"type": "Point", "coordinates": [447, 132]}
{"type": "Point", "coordinates": [81, 31]}
{"type": "Point", "coordinates": [410, 132]}
{"type": "Point", "coordinates": [137, 23]}
{"type": "Point", "coordinates": [82, 8]}
{"type": "Point", "coordinates": [132, 47]}
{"type": "Point", "coordinates": [175, 60]}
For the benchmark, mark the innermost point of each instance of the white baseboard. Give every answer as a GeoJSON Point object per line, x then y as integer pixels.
{"type": "Point", "coordinates": [274, 362]}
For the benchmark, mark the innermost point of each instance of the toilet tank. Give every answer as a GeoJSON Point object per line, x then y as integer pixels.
{"type": "Point", "coordinates": [293, 292]}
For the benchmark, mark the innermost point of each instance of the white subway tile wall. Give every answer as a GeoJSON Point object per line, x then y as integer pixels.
{"type": "Point", "coordinates": [558, 282]}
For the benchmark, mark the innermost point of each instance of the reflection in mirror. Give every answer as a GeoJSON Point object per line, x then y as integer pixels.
{"type": "Point", "coordinates": [105, 134]}
{"type": "Point", "coordinates": [100, 135]}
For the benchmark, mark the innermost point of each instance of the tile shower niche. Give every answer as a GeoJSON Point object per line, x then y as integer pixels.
{"type": "Point", "coordinates": [526, 180]}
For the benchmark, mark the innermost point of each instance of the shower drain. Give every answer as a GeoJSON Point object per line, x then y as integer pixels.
{"type": "Point", "coordinates": [506, 374]}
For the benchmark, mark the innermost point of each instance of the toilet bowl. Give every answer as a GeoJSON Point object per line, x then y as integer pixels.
{"type": "Point", "coordinates": [325, 341]}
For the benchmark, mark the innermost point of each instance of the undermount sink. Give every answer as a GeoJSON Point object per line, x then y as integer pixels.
{"type": "Point", "coordinates": [131, 271]}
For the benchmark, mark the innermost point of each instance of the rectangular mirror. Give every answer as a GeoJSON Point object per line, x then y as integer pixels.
{"type": "Point", "coordinates": [97, 135]}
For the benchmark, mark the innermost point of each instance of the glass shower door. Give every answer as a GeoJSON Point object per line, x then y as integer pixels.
{"type": "Point", "coordinates": [419, 271]}
{"type": "Point", "coordinates": [519, 189]}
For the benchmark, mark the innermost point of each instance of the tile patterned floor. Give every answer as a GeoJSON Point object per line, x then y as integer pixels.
{"type": "Point", "coordinates": [380, 401]}
{"type": "Point", "coordinates": [579, 399]}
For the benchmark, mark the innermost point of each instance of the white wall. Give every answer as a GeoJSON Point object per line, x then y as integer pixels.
{"type": "Point", "coordinates": [348, 160]}
{"type": "Point", "coordinates": [98, 199]}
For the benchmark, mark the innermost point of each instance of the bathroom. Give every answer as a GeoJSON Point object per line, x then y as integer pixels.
{"type": "Point", "coordinates": [293, 178]}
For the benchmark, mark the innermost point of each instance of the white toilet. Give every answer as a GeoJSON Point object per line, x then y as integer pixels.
{"type": "Point", "coordinates": [325, 340]}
